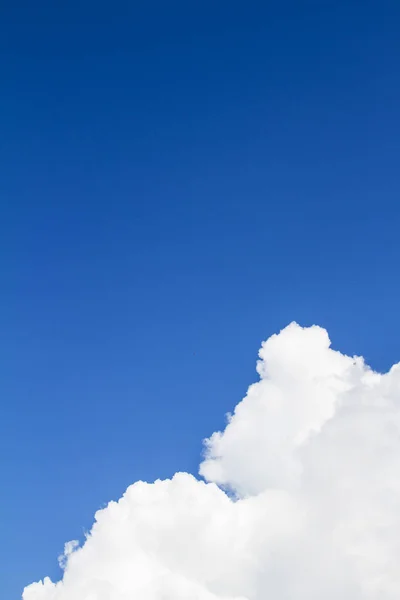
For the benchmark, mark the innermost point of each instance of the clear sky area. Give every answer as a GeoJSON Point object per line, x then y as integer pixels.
{"type": "Point", "coordinates": [178, 182]}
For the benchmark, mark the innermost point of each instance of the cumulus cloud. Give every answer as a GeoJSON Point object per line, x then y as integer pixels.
{"type": "Point", "coordinates": [300, 498]}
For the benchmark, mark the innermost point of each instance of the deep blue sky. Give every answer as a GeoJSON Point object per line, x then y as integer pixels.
{"type": "Point", "coordinates": [178, 181]}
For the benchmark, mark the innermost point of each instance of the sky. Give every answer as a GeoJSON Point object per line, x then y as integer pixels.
{"type": "Point", "coordinates": [179, 181]}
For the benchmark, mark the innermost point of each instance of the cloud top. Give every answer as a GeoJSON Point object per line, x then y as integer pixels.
{"type": "Point", "coordinates": [311, 458]}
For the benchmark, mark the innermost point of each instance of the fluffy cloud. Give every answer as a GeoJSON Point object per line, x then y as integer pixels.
{"type": "Point", "coordinates": [301, 498]}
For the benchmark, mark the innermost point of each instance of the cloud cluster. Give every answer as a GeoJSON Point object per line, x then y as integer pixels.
{"type": "Point", "coordinates": [301, 498]}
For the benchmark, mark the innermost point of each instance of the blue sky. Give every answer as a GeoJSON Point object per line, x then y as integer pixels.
{"type": "Point", "coordinates": [178, 181]}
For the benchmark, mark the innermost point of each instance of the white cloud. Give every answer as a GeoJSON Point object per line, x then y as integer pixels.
{"type": "Point", "coordinates": [312, 455]}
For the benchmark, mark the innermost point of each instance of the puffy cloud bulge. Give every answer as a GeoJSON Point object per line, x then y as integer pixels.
{"type": "Point", "coordinates": [300, 498]}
